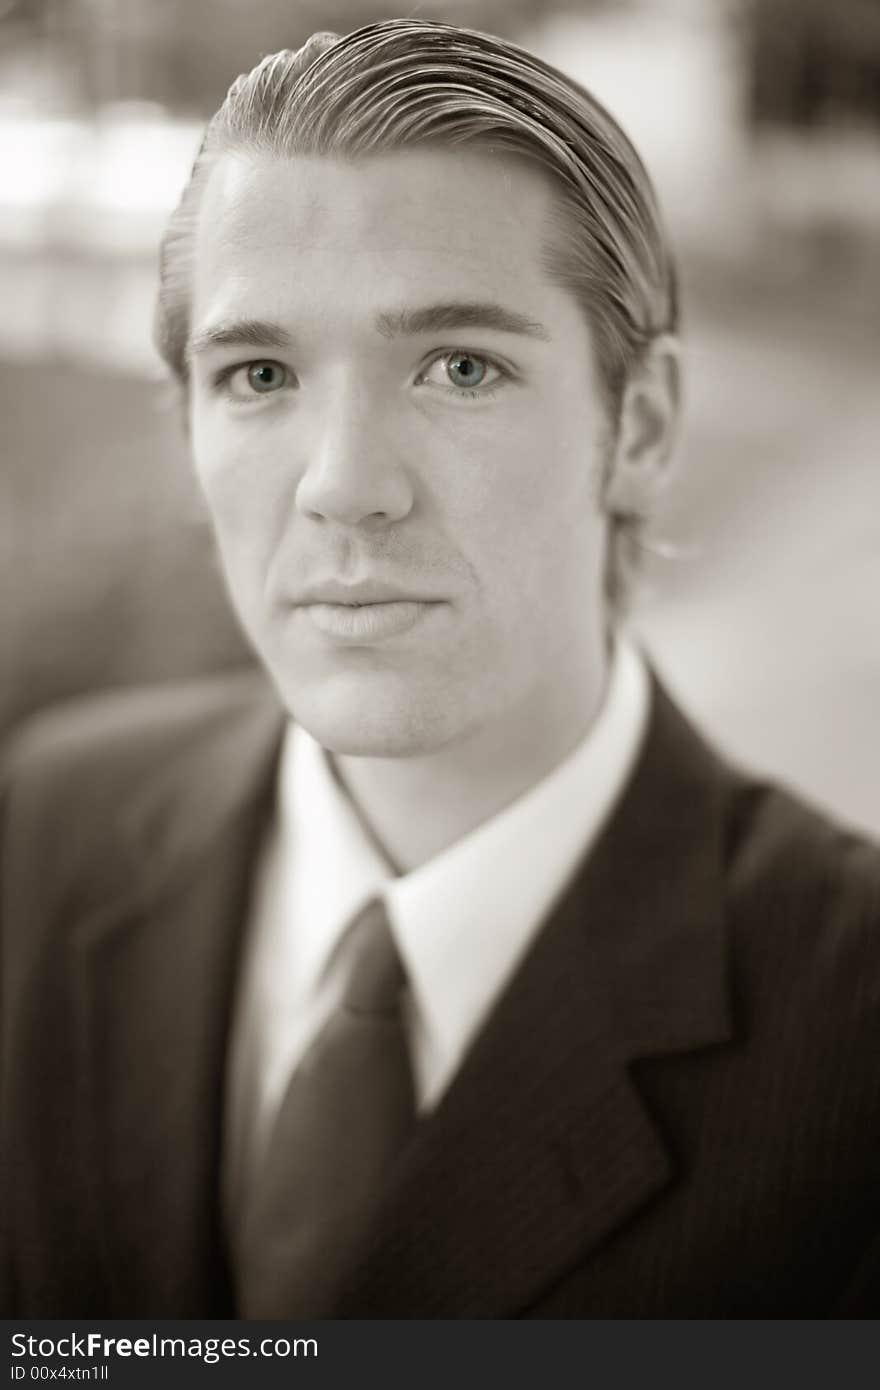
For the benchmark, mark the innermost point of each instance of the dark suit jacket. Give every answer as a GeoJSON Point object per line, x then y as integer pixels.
{"type": "Point", "coordinates": [673, 1112]}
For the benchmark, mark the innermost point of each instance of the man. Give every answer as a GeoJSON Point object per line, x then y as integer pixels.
{"type": "Point", "coordinates": [458, 978]}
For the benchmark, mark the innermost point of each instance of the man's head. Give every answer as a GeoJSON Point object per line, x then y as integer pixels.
{"type": "Point", "coordinates": [420, 299]}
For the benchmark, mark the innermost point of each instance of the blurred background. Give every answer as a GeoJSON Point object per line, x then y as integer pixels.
{"type": "Point", "coordinates": [760, 121]}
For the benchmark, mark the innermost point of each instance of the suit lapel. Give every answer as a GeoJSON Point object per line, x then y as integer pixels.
{"type": "Point", "coordinates": [155, 980]}
{"type": "Point", "coordinates": [542, 1146]}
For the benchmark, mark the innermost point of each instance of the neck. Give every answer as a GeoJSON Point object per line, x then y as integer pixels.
{"type": "Point", "coordinates": [415, 807]}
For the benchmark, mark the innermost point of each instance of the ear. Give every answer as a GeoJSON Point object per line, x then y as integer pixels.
{"type": "Point", "coordinates": [647, 432]}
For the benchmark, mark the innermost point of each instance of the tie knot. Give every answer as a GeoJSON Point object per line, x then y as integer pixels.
{"type": "Point", "coordinates": [376, 974]}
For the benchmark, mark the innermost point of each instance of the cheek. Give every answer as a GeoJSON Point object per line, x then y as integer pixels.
{"type": "Point", "coordinates": [535, 481]}
{"type": "Point", "coordinates": [240, 471]}
{"type": "Point", "coordinates": [546, 543]}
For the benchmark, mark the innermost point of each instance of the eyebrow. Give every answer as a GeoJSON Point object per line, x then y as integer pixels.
{"type": "Point", "coordinates": [434, 318]}
{"type": "Point", "coordinates": [238, 333]}
{"type": "Point", "coordinates": [391, 323]}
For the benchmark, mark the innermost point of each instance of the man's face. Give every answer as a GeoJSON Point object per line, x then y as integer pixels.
{"type": "Point", "coordinates": [405, 492]}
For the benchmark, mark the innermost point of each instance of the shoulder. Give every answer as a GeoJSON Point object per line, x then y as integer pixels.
{"type": "Point", "coordinates": [106, 744]}
{"type": "Point", "coordinates": [789, 861]}
{"type": "Point", "coordinates": [780, 855]}
{"type": "Point", "coordinates": [102, 731]}
{"type": "Point", "coordinates": [797, 889]}
{"type": "Point", "coordinates": [803, 915]}
{"type": "Point", "coordinates": [74, 776]}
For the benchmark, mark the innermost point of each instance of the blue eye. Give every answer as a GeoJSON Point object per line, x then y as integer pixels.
{"type": "Point", "coordinates": [465, 370]}
{"type": "Point", "coordinates": [464, 375]}
{"type": "Point", "coordinates": [264, 377]}
{"type": "Point", "coordinates": [245, 382]}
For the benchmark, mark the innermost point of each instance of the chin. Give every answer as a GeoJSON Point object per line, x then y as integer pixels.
{"type": "Point", "coordinates": [382, 717]}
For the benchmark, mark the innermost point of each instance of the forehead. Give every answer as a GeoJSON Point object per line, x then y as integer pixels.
{"type": "Point", "coordinates": [385, 228]}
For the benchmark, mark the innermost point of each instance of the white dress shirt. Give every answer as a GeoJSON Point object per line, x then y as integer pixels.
{"type": "Point", "coordinates": [461, 922]}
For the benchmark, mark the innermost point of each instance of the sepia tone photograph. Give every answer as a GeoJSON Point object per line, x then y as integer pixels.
{"type": "Point", "coordinates": [440, 650]}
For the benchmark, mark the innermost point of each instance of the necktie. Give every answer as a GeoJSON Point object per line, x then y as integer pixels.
{"type": "Point", "coordinates": [346, 1115]}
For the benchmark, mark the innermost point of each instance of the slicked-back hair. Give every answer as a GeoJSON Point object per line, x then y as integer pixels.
{"type": "Point", "coordinates": [404, 84]}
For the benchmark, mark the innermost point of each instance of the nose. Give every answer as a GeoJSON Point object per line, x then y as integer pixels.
{"type": "Point", "coordinates": [354, 474]}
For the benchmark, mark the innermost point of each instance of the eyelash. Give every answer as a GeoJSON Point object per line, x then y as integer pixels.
{"type": "Point", "coordinates": [223, 376]}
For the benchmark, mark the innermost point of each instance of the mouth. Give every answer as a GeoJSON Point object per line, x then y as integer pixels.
{"type": "Point", "coordinates": [371, 621]}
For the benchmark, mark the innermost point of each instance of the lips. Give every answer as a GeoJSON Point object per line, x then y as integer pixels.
{"type": "Point", "coordinates": [365, 623]}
